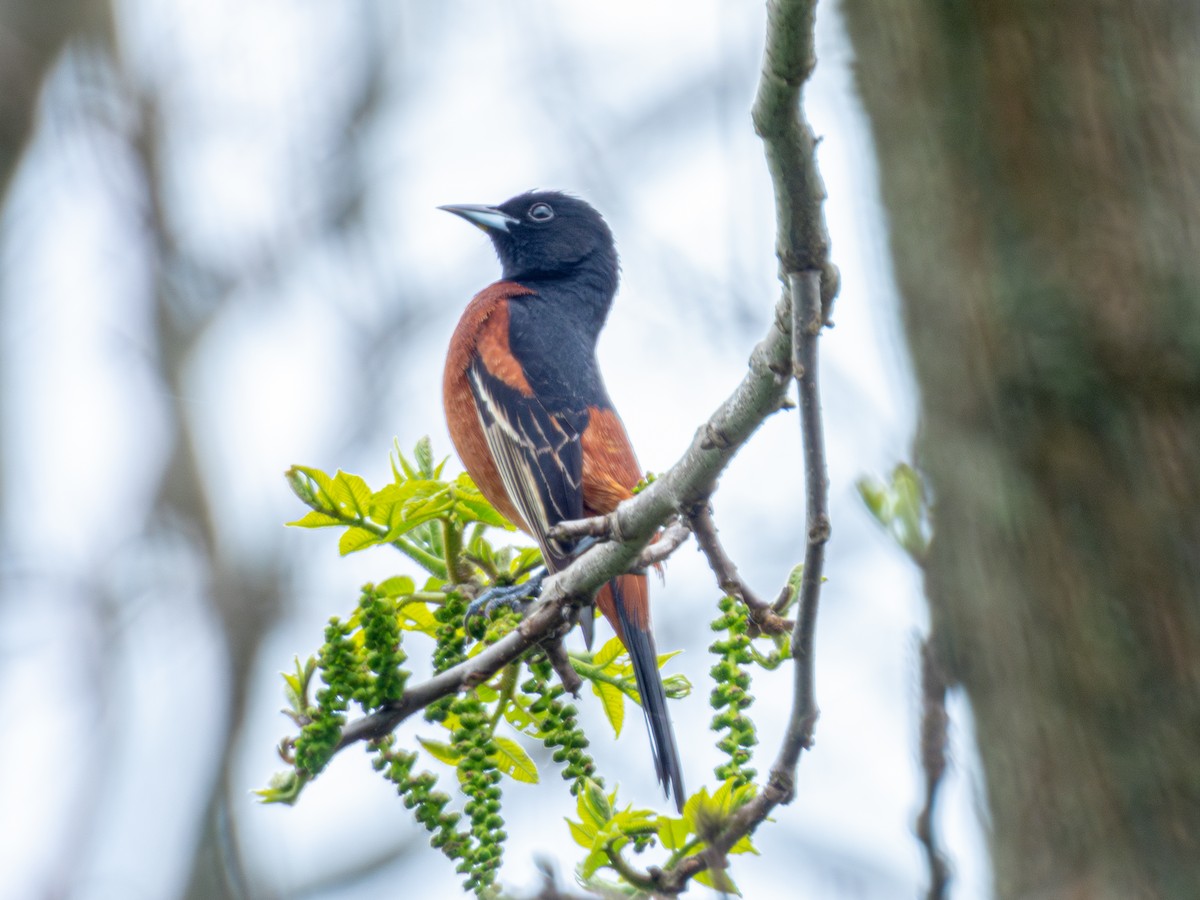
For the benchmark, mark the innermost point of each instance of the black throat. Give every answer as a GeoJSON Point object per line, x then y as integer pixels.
{"type": "Point", "coordinates": [583, 292]}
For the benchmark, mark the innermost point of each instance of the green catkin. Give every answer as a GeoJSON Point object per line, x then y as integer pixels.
{"type": "Point", "coordinates": [560, 732]}
{"type": "Point", "coordinates": [730, 694]}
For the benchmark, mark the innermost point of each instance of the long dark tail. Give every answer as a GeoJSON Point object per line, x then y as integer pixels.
{"type": "Point", "coordinates": [633, 619]}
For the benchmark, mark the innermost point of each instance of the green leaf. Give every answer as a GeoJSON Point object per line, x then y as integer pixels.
{"type": "Point", "coordinates": [612, 650]}
{"type": "Point", "coordinates": [284, 787]}
{"type": "Point", "coordinates": [706, 813]}
{"type": "Point", "coordinates": [511, 759]}
{"type": "Point", "coordinates": [351, 493]}
{"type": "Point", "coordinates": [423, 453]}
{"type": "Point", "coordinates": [743, 845]}
{"type": "Point", "coordinates": [593, 861]}
{"type": "Point", "coordinates": [398, 457]}
{"type": "Point", "coordinates": [486, 693]}
{"type": "Point", "coordinates": [517, 714]}
{"type": "Point", "coordinates": [597, 803]}
{"type": "Point", "coordinates": [296, 683]}
{"type": "Point", "coordinates": [440, 751]}
{"type": "Point", "coordinates": [614, 704]}
{"type": "Point", "coordinates": [357, 539]}
{"type": "Point", "coordinates": [718, 881]}
{"type": "Point", "coordinates": [477, 509]}
{"type": "Point", "coordinates": [729, 798]}
{"type": "Point", "coordinates": [673, 832]}
{"type": "Point", "coordinates": [402, 507]}
{"type": "Point", "coordinates": [631, 820]}
{"type": "Point", "coordinates": [583, 837]}
{"type": "Point", "coordinates": [663, 657]}
{"type": "Point", "coordinates": [323, 483]}
{"type": "Point", "coordinates": [474, 506]}
{"type": "Point", "coordinates": [436, 506]}
{"type": "Point", "coordinates": [416, 616]}
{"type": "Point", "coordinates": [526, 560]}
{"type": "Point", "coordinates": [873, 493]}
{"type": "Point", "coordinates": [900, 506]}
{"type": "Point", "coordinates": [589, 825]}
{"type": "Point", "coordinates": [316, 519]}
{"type": "Point", "coordinates": [396, 586]}
{"type": "Point", "coordinates": [677, 686]}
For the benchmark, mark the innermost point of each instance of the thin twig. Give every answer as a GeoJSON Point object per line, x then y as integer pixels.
{"type": "Point", "coordinates": [784, 600]}
{"type": "Point", "coordinates": [728, 578]}
{"type": "Point", "coordinates": [934, 729]}
{"type": "Point", "coordinates": [669, 540]}
{"type": "Point", "coordinates": [593, 526]}
{"type": "Point", "coordinates": [561, 663]}
{"type": "Point", "coordinates": [807, 320]}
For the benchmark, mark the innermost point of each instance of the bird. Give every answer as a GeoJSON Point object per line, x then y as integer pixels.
{"type": "Point", "coordinates": [531, 419]}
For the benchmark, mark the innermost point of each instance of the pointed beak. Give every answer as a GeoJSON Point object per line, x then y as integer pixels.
{"type": "Point", "coordinates": [486, 218]}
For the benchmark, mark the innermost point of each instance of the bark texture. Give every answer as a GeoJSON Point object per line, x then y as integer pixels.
{"type": "Point", "coordinates": [1040, 164]}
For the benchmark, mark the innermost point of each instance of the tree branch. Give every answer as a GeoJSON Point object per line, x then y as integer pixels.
{"type": "Point", "coordinates": [934, 725]}
{"type": "Point", "coordinates": [593, 526]}
{"type": "Point", "coordinates": [802, 240]}
{"type": "Point", "coordinates": [671, 539]}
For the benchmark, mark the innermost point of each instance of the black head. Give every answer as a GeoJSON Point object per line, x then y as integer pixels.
{"type": "Point", "coordinates": [546, 234]}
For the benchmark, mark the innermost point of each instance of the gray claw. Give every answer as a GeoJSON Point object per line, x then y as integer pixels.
{"type": "Point", "coordinates": [515, 597]}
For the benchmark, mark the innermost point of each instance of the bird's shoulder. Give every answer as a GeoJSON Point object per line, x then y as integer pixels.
{"type": "Point", "coordinates": [489, 309]}
{"type": "Point", "coordinates": [482, 335]}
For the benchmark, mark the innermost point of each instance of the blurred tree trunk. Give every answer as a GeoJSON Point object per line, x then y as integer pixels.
{"type": "Point", "coordinates": [31, 37]}
{"type": "Point", "coordinates": [1040, 164]}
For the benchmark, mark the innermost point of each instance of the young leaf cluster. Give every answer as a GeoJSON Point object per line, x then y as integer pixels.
{"type": "Point", "coordinates": [610, 672]}
{"type": "Point", "coordinates": [441, 525]}
{"type": "Point", "coordinates": [418, 513]}
{"type": "Point", "coordinates": [901, 506]}
{"type": "Point", "coordinates": [605, 831]}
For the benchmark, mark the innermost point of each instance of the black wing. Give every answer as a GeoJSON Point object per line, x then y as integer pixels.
{"type": "Point", "coordinates": [538, 454]}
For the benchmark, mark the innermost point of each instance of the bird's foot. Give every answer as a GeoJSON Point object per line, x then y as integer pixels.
{"type": "Point", "coordinates": [516, 597]}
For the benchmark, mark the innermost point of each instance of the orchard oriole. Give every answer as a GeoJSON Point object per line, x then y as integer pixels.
{"type": "Point", "coordinates": [531, 419]}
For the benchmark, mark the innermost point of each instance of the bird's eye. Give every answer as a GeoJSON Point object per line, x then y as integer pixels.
{"type": "Point", "coordinates": [541, 212]}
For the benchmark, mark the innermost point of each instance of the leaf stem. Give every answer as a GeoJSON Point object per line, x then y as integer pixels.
{"type": "Point", "coordinates": [423, 558]}
{"type": "Point", "coordinates": [639, 880]}
{"type": "Point", "coordinates": [508, 684]}
{"type": "Point", "coordinates": [452, 547]}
